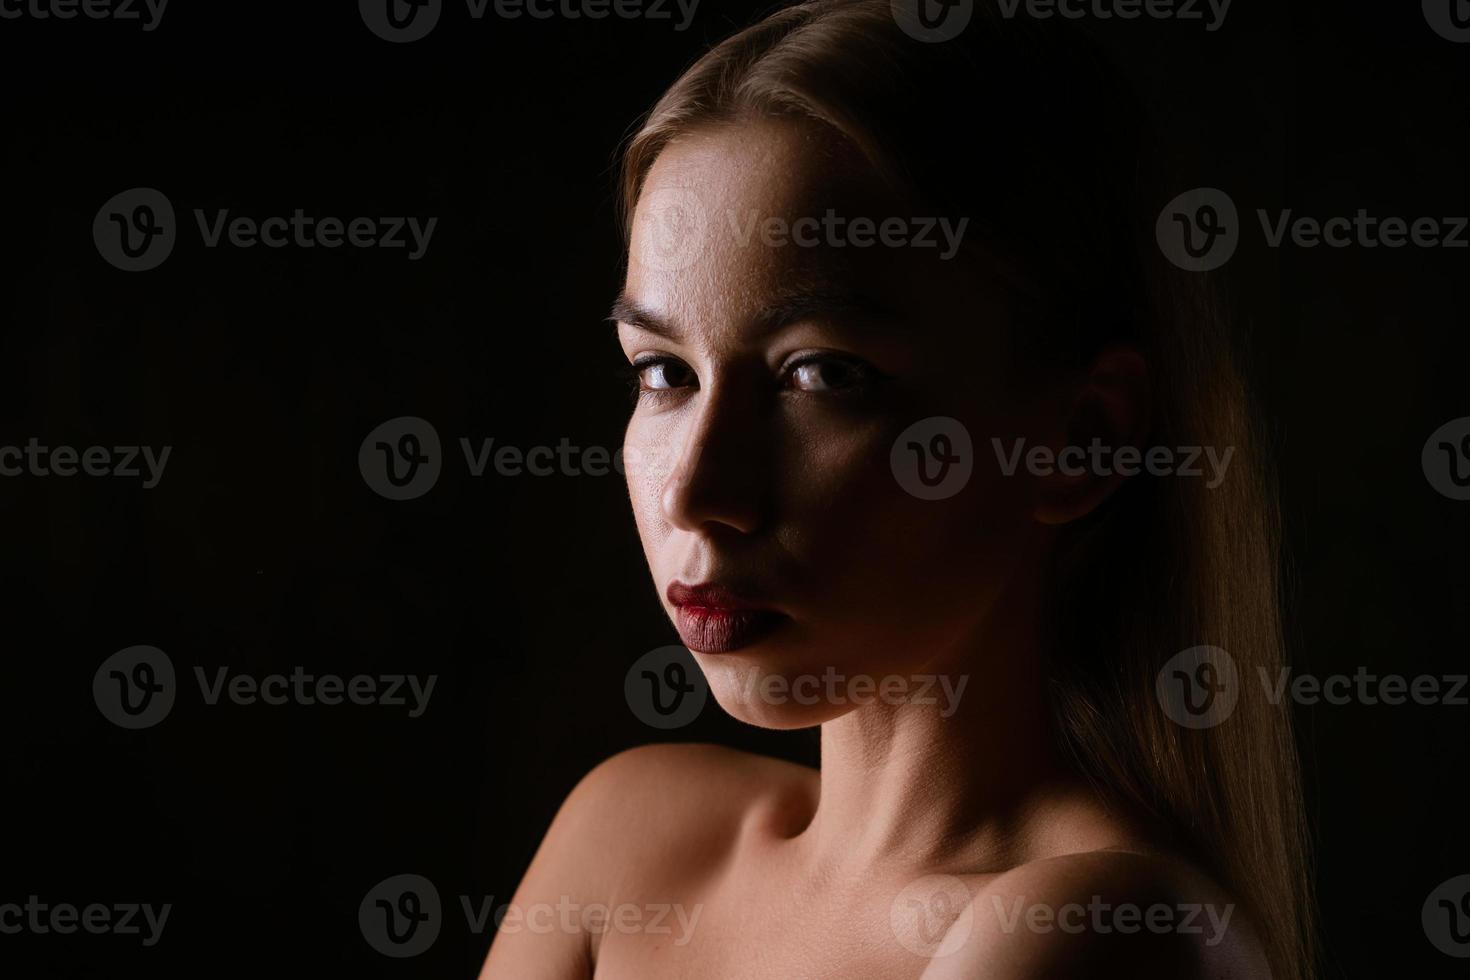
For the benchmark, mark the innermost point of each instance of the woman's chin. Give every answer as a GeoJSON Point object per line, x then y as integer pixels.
{"type": "Point", "coordinates": [784, 717]}
{"type": "Point", "coordinates": [760, 695]}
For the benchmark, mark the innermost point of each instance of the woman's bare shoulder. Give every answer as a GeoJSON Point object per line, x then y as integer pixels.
{"type": "Point", "coordinates": [640, 828]}
{"type": "Point", "coordinates": [1103, 913]}
{"type": "Point", "coordinates": [678, 807]}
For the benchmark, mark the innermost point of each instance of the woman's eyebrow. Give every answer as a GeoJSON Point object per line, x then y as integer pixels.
{"type": "Point", "coordinates": [625, 310]}
{"type": "Point", "coordinates": [844, 306]}
{"type": "Point", "coordinates": [838, 304]}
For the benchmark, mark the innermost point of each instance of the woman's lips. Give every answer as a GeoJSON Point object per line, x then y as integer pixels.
{"type": "Point", "coordinates": [705, 630]}
{"type": "Point", "coordinates": [714, 619]}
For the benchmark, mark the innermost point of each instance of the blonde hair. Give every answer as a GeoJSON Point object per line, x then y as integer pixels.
{"type": "Point", "coordinates": [1058, 185]}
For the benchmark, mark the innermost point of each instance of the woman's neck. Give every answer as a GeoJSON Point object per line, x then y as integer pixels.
{"type": "Point", "coordinates": [971, 782]}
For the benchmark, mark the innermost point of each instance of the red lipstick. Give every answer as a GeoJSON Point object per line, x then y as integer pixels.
{"type": "Point", "coordinates": [716, 619]}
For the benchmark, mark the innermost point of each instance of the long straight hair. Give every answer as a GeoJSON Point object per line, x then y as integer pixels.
{"type": "Point", "coordinates": [1022, 127]}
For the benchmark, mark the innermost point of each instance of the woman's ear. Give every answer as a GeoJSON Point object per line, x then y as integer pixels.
{"type": "Point", "coordinates": [1110, 412]}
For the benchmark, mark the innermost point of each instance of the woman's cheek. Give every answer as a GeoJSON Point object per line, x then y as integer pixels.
{"type": "Point", "coordinates": [642, 453]}
{"type": "Point", "coordinates": [838, 481]}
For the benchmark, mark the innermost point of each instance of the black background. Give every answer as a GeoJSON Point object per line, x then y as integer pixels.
{"type": "Point", "coordinates": [262, 548]}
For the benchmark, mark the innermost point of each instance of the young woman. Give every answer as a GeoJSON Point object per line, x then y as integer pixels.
{"type": "Point", "coordinates": [871, 272]}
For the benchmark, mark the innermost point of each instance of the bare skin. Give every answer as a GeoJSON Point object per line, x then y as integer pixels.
{"type": "Point", "coordinates": [940, 840]}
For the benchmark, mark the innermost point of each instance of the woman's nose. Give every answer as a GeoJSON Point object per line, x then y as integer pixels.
{"type": "Point", "coordinates": [717, 477]}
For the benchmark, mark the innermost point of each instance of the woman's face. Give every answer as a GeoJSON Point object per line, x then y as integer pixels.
{"type": "Point", "coordinates": [779, 362]}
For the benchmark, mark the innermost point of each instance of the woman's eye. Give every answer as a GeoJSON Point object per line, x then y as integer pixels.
{"type": "Point", "coordinates": [817, 374]}
{"type": "Point", "coordinates": [663, 374]}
